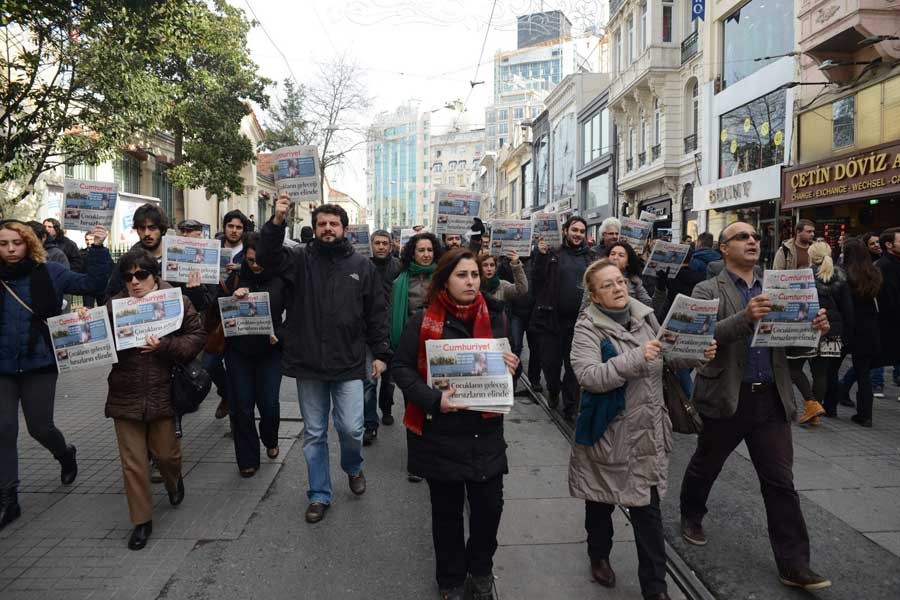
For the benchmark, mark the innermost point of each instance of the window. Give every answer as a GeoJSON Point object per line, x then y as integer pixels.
{"type": "Point", "coordinates": [630, 154]}
{"type": "Point", "coordinates": [451, 166]}
{"type": "Point", "coordinates": [542, 170]}
{"type": "Point", "coordinates": [81, 171]}
{"type": "Point", "coordinates": [604, 131]}
{"type": "Point", "coordinates": [563, 165]}
{"type": "Point", "coordinates": [667, 11]}
{"type": "Point", "coordinates": [491, 132]}
{"type": "Point", "coordinates": [752, 136]}
{"type": "Point", "coordinates": [535, 112]}
{"type": "Point", "coordinates": [502, 115]}
{"type": "Point", "coordinates": [843, 121]}
{"type": "Point", "coordinates": [759, 28]}
{"type": "Point", "coordinates": [163, 189]}
{"type": "Point", "coordinates": [597, 191]}
{"type": "Point", "coordinates": [437, 153]}
{"type": "Point", "coordinates": [461, 165]}
{"type": "Point", "coordinates": [518, 114]}
{"type": "Point", "coordinates": [528, 185]}
{"type": "Point", "coordinates": [657, 122]}
{"type": "Point", "coordinates": [644, 42]}
{"type": "Point", "coordinates": [695, 108]}
{"type": "Point", "coordinates": [502, 142]}
{"type": "Point", "coordinates": [491, 116]}
{"type": "Point", "coordinates": [503, 128]}
{"type": "Point", "coordinates": [127, 173]}
{"type": "Point", "coordinates": [629, 41]}
{"type": "Point", "coordinates": [437, 167]}
{"type": "Point", "coordinates": [585, 142]}
{"type": "Point", "coordinates": [643, 132]}
{"type": "Point", "coordinates": [596, 127]}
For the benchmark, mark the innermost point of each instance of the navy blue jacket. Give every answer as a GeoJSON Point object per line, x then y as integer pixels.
{"type": "Point", "coordinates": [15, 321]}
{"type": "Point", "coordinates": [702, 257]}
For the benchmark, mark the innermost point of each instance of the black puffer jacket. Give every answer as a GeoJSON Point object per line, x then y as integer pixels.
{"type": "Point", "coordinates": [460, 446]}
{"type": "Point", "coordinates": [834, 297]}
{"type": "Point", "coordinates": [279, 290]}
{"type": "Point", "coordinates": [547, 277]}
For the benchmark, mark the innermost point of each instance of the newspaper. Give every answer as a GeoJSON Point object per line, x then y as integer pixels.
{"type": "Point", "coordinates": [689, 327]}
{"type": "Point", "coordinates": [546, 225]}
{"type": "Point", "coordinates": [87, 204]}
{"type": "Point", "coordinates": [358, 236]}
{"type": "Point", "coordinates": [511, 235]}
{"type": "Point", "coordinates": [795, 303]}
{"type": "Point", "coordinates": [635, 232]}
{"type": "Point", "coordinates": [81, 344]}
{"type": "Point", "coordinates": [647, 216]}
{"type": "Point", "coordinates": [666, 256]}
{"type": "Point", "coordinates": [225, 256]}
{"type": "Point", "coordinates": [297, 173]}
{"type": "Point", "coordinates": [475, 368]}
{"type": "Point", "coordinates": [250, 315]}
{"type": "Point", "coordinates": [405, 234]}
{"type": "Point", "coordinates": [455, 210]}
{"type": "Point", "coordinates": [184, 255]}
{"type": "Point", "coordinates": [395, 233]}
{"type": "Point", "coordinates": [158, 313]}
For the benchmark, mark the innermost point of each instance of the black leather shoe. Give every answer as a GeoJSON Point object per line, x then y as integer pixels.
{"type": "Point", "coordinates": [805, 578]}
{"type": "Point", "coordinates": [861, 421]}
{"type": "Point", "coordinates": [553, 399]}
{"type": "Point", "coordinates": [357, 483]}
{"type": "Point", "coordinates": [387, 419]}
{"type": "Point", "coordinates": [369, 436]}
{"type": "Point", "coordinates": [69, 466]}
{"type": "Point", "coordinates": [457, 593]}
{"type": "Point", "coordinates": [692, 532]}
{"type": "Point", "coordinates": [603, 573]}
{"type": "Point", "coordinates": [9, 506]}
{"type": "Point", "coordinates": [480, 587]}
{"type": "Point", "coordinates": [413, 478]}
{"type": "Point", "coordinates": [659, 596]}
{"type": "Point", "coordinates": [177, 496]}
{"type": "Point", "coordinates": [140, 535]}
{"type": "Point", "coordinates": [315, 512]}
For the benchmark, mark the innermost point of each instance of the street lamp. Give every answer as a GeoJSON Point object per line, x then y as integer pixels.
{"type": "Point", "coordinates": [836, 64]}
{"type": "Point", "coordinates": [877, 39]}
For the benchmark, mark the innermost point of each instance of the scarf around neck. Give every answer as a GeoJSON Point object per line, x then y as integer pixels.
{"type": "Point", "coordinates": [490, 285]}
{"type": "Point", "coordinates": [400, 298]}
{"type": "Point", "coordinates": [475, 314]}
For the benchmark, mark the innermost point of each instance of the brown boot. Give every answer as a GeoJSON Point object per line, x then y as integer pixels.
{"type": "Point", "coordinates": [811, 410]}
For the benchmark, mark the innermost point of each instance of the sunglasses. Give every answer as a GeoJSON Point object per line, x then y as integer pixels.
{"type": "Point", "coordinates": [141, 275]}
{"type": "Point", "coordinates": [743, 236]}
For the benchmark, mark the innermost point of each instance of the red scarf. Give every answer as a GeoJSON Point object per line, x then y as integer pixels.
{"type": "Point", "coordinates": [433, 329]}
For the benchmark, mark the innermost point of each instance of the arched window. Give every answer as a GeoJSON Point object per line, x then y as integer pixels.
{"type": "Point", "coordinates": [695, 108]}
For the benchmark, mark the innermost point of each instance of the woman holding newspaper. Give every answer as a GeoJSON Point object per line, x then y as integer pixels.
{"type": "Point", "coordinates": [623, 432]}
{"type": "Point", "coordinates": [32, 290]}
{"type": "Point", "coordinates": [493, 286]}
{"type": "Point", "coordinates": [139, 399]}
{"type": "Point", "coordinates": [459, 452]}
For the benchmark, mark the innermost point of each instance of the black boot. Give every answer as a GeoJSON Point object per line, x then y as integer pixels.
{"type": "Point", "coordinates": [9, 506]}
{"type": "Point", "coordinates": [553, 399]}
{"type": "Point", "coordinates": [69, 466]}
{"type": "Point", "coordinates": [140, 535]}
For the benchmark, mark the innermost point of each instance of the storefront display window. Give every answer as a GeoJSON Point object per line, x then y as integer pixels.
{"type": "Point", "coordinates": [563, 148]}
{"type": "Point", "coordinates": [759, 28]}
{"type": "Point", "coordinates": [752, 136]}
{"type": "Point", "coordinates": [597, 191]}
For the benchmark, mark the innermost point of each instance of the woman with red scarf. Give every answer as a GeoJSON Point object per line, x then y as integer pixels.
{"type": "Point", "coordinates": [459, 452]}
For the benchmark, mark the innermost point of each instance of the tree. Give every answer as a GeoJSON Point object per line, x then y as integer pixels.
{"type": "Point", "coordinates": [288, 120]}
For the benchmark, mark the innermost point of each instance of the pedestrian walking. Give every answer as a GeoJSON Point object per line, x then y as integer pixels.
{"type": "Point", "coordinates": [558, 275]}
{"type": "Point", "coordinates": [32, 290]}
{"type": "Point", "coordinates": [418, 260]}
{"type": "Point", "coordinates": [889, 299]}
{"type": "Point", "coordinates": [253, 363]}
{"type": "Point", "coordinates": [461, 453]}
{"type": "Point", "coordinates": [336, 310]}
{"type": "Point", "coordinates": [519, 309]}
{"type": "Point", "coordinates": [745, 394]}
{"type": "Point", "coordinates": [623, 458]}
{"type": "Point", "coordinates": [140, 398]}
{"type": "Point", "coordinates": [794, 253]}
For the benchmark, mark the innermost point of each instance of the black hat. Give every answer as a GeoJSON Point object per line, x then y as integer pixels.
{"type": "Point", "coordinates": [189, 225]}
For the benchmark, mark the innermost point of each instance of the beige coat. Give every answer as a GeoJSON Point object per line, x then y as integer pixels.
{"type": "Point", "coordinates": [632, 456]}
{"type": "Point", "coordinates": [507, 291]}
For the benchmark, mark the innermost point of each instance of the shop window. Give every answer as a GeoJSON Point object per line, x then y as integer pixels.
{"type": "Point", "coordinates": [759, 28]}
{"type": "Point", "coordinates": [843, 122]}
{"type": "Point", "coordinates": [752, 136]}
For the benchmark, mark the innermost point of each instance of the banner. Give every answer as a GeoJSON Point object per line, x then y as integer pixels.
{"type": "Point", "coordinates": [546, 225]}
{"type": "Point", "coordinates": [795, 303]}
{"type": "Point", "coordinates": [250, 315]}
{"type": "Point", "coordinates": [635, 232]}
{"type": "Point", "coordinates": [358, 236]}
{"type": "Point", "coordinates": [87, 204]}
{"type": "Point", "coordinates": [511, 234]}
{"type": "Point", "coordinates": [184, 255]}
{"type": "Point", "coordinates": [698, 9]}
{"type": "Point", "coordinates": [666, 256]}
{"type": "Point", "coordinates": [689, 327]}
{"type": "Point", "coordinates": [455, 210]}
{"type": "Point", "coordinates": [81, 344]}
{"type": "Point", "coordinates": [297, 173]}
{"type": "Point", "coordinates": [158, 313]}
{"type": "Point", "coordinates": [475, 368]}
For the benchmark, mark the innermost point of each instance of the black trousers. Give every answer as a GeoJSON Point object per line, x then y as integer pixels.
{"type": "Point", "coordinates": [648, 537]}
{"type": "Point", "coordinates": [534, 356]}
{"type": "Point", "coordinates": [386, 393]}
{"type": "Point", "coordinates": [555, 349]}
{"type": "Point", "coordinates": [761, 423]}
{"type": "Point", "coordinates": [454, 556]}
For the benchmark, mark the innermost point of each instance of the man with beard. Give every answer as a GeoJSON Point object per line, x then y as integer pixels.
{"type": "Point", "coordinates": [337, 313]}
{"type": "Point", "coordinates": [452, 240]}
{"type": "Point", "coordinates": [57, 237]}
{"type": "Point", "coordinates": [557, 276]}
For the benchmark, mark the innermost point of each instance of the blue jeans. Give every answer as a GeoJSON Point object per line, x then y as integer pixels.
{"type": "Point", "coordinates": [254, 382]}
{"type": "Point", "coordinates": [345, 401]}
{"type": "Point", "coordinates": [215, 366]}
{"type": "Point", "coordinates": [877, 376]}
{"type": "Point", "coordinates": [517, 326]}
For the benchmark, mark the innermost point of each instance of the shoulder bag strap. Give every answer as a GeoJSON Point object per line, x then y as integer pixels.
{"type": "Point", "coordinates": [19, 300]}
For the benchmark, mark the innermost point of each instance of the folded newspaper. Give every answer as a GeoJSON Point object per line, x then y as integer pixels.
{"type": "Point", "coordinates": [795, 303]}
{"type": "Point", "coordinates": [475, 367]}
{"type": "Point", "coordinates": [184, 255]}
{"type": "Point", "coordinates": [250, 315]}
{"type": "Point", "coordinates": [81, 344]}
{"type": "Point", "coordinates": [689, 327]}
{"type": "Point", "coordinates": [667, 257]}
{"type": "Point", "coordinates": [158, 313]}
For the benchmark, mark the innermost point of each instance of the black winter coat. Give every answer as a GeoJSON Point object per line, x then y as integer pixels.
{"type": "Point", "coordinates": [337, 308]}
{"type": "Point", "coordinates": [889, 307]}
{"type": "Point", "coordinates": [545, 275]}
{"type": "Point", "coordinates": [865, 337]}
{"type": "Point", "coordinates": [834, 297]}
{"type": "Point", "coordinates": [279, 290]}
{"type": "Point", "coordinates": [460, 446]}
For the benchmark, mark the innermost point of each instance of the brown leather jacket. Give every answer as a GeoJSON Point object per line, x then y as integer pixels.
{"type": "Point", "coordinates": [139, 383]}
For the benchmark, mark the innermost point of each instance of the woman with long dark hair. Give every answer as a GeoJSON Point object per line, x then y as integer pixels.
{"type": "Point", "coordinates": [418, 260]}
{"type": "Point", "coordinates": [460, 453]}
{"type": "Point", "coordinates": [865, 340]}
{"type": "Point", "coordinates": [623, 256]}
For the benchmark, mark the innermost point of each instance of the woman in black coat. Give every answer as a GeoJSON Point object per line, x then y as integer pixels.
{"type": "Point", "coordinates": [458, 451]}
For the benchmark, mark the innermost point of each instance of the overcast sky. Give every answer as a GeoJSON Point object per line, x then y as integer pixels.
{"type": "Point", "coordinates": [420, 49]}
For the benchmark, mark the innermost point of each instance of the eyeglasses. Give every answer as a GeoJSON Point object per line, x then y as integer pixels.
{"type": "Point", "coordinates": [141, 275]}
{"type": "Point", "coordinates": [620, 282]}
{"type": "Point", "coordinates": [743, 236]}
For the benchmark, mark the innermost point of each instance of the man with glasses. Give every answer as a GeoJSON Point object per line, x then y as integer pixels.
{"type": "Point", "coordinates": [745, 394]}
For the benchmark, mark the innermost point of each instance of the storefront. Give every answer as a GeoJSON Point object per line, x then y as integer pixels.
{"type": "Point", "coordinates": [848, 195]}
{"type": "Point", "coordinates": [662, 208]}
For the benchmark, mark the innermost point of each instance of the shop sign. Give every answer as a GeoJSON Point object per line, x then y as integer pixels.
{"type": "Point", "coordinates": [660, 208]}
{"type": "Point", "coordinates": [875, 172]}
{"type": "Point", "coordinates": [730, 193]}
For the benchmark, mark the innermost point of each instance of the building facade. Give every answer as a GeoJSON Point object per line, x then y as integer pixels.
{"type": "Point", "coordinates": [595, 177]}
{"type": "Point", "coordinates": [514, 162]}
{"type": "Point", "coordinates": [454, 157]}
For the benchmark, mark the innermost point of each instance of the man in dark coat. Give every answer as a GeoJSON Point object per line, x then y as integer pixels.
{"type": "Point", "coordinates": [889, 298]}
{"type": "Point", "coordinates": [704, 253]}
{"type": "Point", "coordinates": [337, 313]}
{"type": "Point", "coordinates": [57, 237]}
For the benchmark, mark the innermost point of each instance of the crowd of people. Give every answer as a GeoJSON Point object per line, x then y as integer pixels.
{"type": "Point", "coordinates": [349, 329]}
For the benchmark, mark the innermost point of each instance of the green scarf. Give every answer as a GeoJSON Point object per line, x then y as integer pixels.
{"type": "Point", "coordinates": [490, 285]}
{"type": "Point", "coordinates": [400, 298]}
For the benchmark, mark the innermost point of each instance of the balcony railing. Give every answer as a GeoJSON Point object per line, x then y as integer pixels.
{"type": "Point", "coordinates": [642, 159]}
{"type": "Point", "coordinates": [655, 151]}
{"type": "Point", "coordinates": [690, 143]}
{"type": "Point", "coordinates": [689, 47]}
{"type": "Point", "coordinates": [629, 162]}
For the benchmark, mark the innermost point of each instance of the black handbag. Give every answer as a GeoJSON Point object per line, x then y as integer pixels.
{"type": "Point", "coordinates": [189, 386]}
{"type": "Point", "coordinates": [682, 413]}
